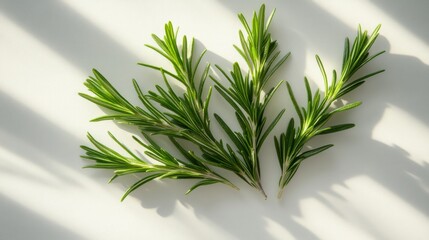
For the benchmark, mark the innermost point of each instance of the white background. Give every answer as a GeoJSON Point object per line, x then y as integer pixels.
{"type": "Point", "coordinates": [374, 184]}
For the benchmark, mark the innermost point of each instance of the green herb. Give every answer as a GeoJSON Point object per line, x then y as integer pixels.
{"type": "Point", "coordinates": [185, 116]}
{"type": "Point", "coordinates": [182, 117]}
{"type": "Point", "coordinates": [319, 109]}
{"type": "Point", "coordinates": [245, 93]}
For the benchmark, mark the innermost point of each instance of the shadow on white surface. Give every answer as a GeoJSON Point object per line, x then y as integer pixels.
{"type": "Point", "coordinates": [243, 214]}
{"type": "Point", "coordinates": [412, 15]}
{"type": "Point", "coordinates": [22, 223]}
{"type": "Point", "coordinates": [69, 34]}
{"type": "Point", "coordinates": [33, 137]}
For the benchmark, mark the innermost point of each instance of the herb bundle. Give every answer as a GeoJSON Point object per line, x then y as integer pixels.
{"type": "Point", "coordinates": [183, 116]}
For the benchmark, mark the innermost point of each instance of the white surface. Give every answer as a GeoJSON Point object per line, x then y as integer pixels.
{"type": "Point", "coordinates": [374, 184]}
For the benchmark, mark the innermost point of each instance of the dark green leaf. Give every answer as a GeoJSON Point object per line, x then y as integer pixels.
{"type": "Point", "coordinates": [335, 128]}
{"type": "Point", "coordinates": [201, 183]}
{"type": "Point", "coordinates": [313, 152]}
{"type": "Point", "coordinates": [346, 107]}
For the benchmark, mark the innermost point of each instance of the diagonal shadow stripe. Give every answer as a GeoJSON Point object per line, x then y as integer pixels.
{"type": "Point", "coordinates": [67, 32]}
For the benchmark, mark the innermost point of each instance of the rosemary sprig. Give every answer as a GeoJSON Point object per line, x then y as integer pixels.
{"type": "Point", "coordinates": [245, 93]}
{"type": "Point", "coordinates": [319, 109]}
{"type": "Point", "coordinates": [183, 116]}
{"type": "Point", "coordinates": [168, 166]}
